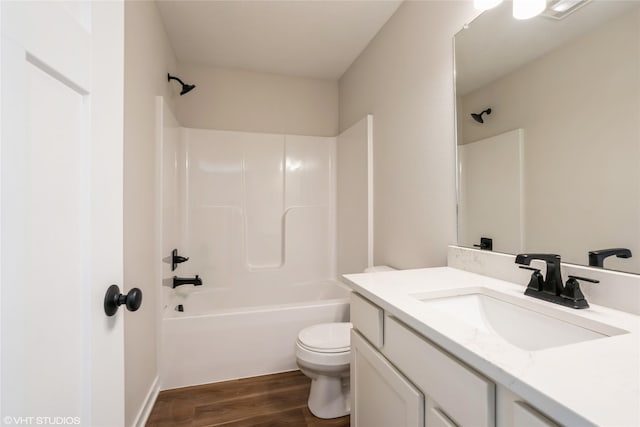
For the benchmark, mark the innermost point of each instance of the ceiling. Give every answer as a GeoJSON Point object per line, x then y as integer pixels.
{"type": "Point", "coordinates": [318, 38]}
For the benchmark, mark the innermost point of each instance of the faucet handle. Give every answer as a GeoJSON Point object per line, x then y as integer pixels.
{"type": "Point", "coordinates": [584, 279]}
{"type": "Point", "coordinates": [177, 259]}
{"type": "Point", "coordinates": [537, 281]}
{"type": "Point", "coordinates": [573, 293]}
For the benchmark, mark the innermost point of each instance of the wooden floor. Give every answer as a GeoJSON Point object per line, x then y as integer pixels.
{"type": "Point", "coordinates": [270, 400]}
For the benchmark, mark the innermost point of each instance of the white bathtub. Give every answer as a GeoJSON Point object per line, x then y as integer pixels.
{"type": "Point", "coordinates": [226, 334]}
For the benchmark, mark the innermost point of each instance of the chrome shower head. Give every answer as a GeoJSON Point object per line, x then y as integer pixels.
{"type": "Point", "coordinates": [185, 87]}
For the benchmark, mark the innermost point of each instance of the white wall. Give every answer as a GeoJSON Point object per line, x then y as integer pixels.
{"type": "Point", "coordinates": [582, 141]}
{"type": "Point", "coordinates": [354, 237]}
{"type": "Point", "coordinates": [148, 57]}
{"type": "Point", "coordinates": [232, 99]}
{"type": "Point", "coordinates": [405, 79]}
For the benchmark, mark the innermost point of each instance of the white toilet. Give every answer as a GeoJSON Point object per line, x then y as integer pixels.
{"type": "Point", "coordinates": [322, 354]}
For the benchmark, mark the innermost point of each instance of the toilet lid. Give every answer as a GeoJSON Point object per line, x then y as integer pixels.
{"type": "Point", "coordinates": [326, 337]}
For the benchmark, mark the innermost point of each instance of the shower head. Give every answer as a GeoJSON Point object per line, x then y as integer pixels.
{"type": "Point", "coordinates": [478, 116]}
{"type": "Point", "coordinates": [185, 87]}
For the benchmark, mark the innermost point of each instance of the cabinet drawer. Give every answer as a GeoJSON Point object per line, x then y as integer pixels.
{"type": "Point", "coordinates": [367, 318]}
{"type": "Point", "coordinates": [465, 396]}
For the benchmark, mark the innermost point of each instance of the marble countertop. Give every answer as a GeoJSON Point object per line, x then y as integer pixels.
{"type": "Point", "coordinates": [592, 382]}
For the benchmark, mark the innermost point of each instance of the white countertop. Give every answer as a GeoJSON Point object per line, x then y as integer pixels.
{"type": "Point", "coordinates": [596, 382]}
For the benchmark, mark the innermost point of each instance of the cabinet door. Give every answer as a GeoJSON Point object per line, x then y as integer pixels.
{"type": "Point", "coordinates": [436, 417]}
{"type": "Point", "coordinates": [380, 395]}
{"type": "Point", "coordinates": [465, 396]}
{"type": "Point", "coordinates": [513, 411]}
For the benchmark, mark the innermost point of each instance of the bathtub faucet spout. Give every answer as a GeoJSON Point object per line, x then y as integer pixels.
{"type": "Point", "coordinates": [179, 281]}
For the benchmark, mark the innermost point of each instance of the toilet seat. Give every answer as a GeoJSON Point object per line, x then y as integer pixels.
{"type": "Point", "coordinates": [321, 360]}
{"type": "Point", "coordinates": [326, 338]}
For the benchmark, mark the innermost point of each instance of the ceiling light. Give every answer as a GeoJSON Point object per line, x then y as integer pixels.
{"type": "Point", "coordinates": [560, 9]}
{"type": "Point", "coordinates": [525, 9]}
{"type": "Point", "coordinates": [485, 4]}
{"type": "Point", "coordinates": [564, 5]}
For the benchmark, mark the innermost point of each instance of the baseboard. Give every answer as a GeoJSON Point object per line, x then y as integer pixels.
{"type": "Point", "coordinates": [234, 378]}
{"type": "Point", "coordinates": [149, 401]}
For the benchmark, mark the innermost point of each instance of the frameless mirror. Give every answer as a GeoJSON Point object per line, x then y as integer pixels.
{"type": "Point", "coordinates": [555, 165]}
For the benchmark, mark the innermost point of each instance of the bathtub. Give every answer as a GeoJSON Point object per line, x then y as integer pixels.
{"type": "Point", "coordinates": [225, 334]}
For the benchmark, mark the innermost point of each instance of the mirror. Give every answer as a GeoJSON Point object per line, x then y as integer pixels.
{"type": "Point", "coordinates": [555, 167]}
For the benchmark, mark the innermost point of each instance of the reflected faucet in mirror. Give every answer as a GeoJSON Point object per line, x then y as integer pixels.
{"type": "Point", "coordinates": [596, 258]}
{"type": "Point", "coordinates": [486, 243]}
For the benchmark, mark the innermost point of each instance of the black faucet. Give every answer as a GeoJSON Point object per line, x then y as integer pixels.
{"type": "Point", "coordinates": [179, 281]}
{"type": "Point", "coordinates": [596, 258]}
{"type": "Point", "coordinates": [552, 283]}
{"type": "Point", "coordinates": [551, 288]}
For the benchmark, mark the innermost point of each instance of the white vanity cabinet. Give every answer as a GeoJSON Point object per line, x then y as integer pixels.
{"type": "Point", "coordinates": [400, 378]}
{"type": "Point", "coordinates": [513, 411]}
{"type": "Point", "coordinates": [455, 393]}
{"type": "Point", "coordinates": [381, 396]}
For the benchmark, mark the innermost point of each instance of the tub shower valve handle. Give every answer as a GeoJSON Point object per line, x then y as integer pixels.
{"type": "Point", "coordinates": [114, 299]}
{"type": "Point", "coordinates": [177, 259]}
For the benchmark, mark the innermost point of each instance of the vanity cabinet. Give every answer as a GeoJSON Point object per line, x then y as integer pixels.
{"type": "Point", "coordinates": [457, 393]}
{"type": "Point", "coordinates": [513, 411]}
{"type": "Point", "coordinates": [382, 396]}
{"type": "Point", "coordinates": [400, 378]}
{"type": "Point", "coordinates": [369, 319]}
{"type": "Point", "coordinates": [435, 417]}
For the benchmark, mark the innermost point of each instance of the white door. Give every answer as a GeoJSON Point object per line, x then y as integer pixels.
{"type": "Point", "coordinates": [61, 212]}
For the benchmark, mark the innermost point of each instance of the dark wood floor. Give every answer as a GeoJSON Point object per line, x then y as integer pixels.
{"type": "Point", "coordinates": [270, 400]}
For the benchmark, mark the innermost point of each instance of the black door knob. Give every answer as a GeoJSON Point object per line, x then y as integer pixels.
{"type": "Point", "coordinates": [114, 299]}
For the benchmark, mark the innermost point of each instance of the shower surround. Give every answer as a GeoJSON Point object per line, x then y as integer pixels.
{"type": "Point", "coordinates": [258, 209]}
{"type": "Point", "coordinates": [255, 213]}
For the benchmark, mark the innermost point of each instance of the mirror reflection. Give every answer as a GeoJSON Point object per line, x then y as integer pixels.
{"type": "Point", "coordinates": [548, 127]}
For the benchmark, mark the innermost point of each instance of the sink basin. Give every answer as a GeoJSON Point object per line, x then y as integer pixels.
{"type": "Point", "coordinates": [524, 324]}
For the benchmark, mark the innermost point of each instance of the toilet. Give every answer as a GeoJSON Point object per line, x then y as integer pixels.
{"type": "Point", "coordinates": [322, 354]}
